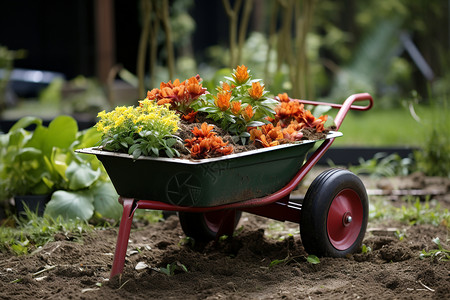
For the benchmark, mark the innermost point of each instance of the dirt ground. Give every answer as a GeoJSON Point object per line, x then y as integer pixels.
{"type": "Point", "coordinates": [234, 268]}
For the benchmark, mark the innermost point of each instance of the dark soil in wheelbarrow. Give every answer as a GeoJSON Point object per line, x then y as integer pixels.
{"type": "Point", "coordinates": [265, 260]}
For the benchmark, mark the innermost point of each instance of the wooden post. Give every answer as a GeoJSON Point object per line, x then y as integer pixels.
{"type": "Point", "coordinates": [105, 38]}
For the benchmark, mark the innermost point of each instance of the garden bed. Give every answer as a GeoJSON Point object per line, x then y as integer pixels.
{"type": "Point", "coordinates": [238, 268]}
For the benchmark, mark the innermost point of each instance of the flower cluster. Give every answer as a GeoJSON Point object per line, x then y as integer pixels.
{"type": "Point", "coordinates": [142, 130]}
{"type": "Point", "coordinates": [206, 143]}
{"type": "Point", "coordinates": [290, 118]}
{"type": "Point", "coordinates": [239, 104]}
{"type": "Point", "coordinates": [291, 110]}
{"type": "Point", "coordinates": [179, 95]}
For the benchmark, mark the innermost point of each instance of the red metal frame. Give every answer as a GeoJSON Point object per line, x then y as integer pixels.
{"type": "Point", "coordinates": [275, 206]}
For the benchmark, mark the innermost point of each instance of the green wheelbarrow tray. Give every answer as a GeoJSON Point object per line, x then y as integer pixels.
{"type": "Point", "coordinates": [206, 182]}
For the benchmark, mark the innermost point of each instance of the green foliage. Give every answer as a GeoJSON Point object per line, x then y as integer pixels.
{"type": "Point", "coordinates": [172, 268]}
{"type": "Point", "coordinates": [433, 158]}
{"type": "Point", "coordinates": [312, 259]}
{"type": "Point", "coordinates": [33, 231]}
{"type": "Point", "coordinates": [365, 249]}
{"type": "Point", "coordinates": [43, 161]}
{"type": "Point", "coordinates": [413, 212]}
{"type": "Point", "coordinates": [422, 213]}
{"type": "Point", "coordinates": [383, 165]}
{"type": "Point", "coordinates": [439, 254]}
{"type": "Point", "coordinates": [148, 215]}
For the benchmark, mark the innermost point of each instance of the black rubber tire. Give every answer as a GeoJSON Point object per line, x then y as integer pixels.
{"type": "Point", "coordinates": [203, 227]}
{"type": "Point", "coordinates": [316, 237]}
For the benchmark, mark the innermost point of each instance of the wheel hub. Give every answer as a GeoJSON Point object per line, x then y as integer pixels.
{"type": "Point", "coordinates": [347, 218]}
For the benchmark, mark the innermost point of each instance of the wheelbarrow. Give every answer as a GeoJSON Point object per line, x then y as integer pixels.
{"type": "Point", "coordinates": [210, 194]}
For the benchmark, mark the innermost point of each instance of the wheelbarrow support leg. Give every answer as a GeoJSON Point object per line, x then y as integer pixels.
{"type": "Point", "coordinates": [129, 207]}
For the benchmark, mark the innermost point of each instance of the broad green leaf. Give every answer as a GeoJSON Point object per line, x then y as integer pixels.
{"type": "Point", "coordinates": [255, 124]}
{"type": "Point", "coordinates": [19, 137]}
{"type": "Point", "coordinates": [81, 175]}
{"type": "Point", "coordinates": [270, 102]}
{"type": "Point", "coordinates": [208, 109]}
{"type": "Point", "coordinates": [71, 205]}
{"type": "Point", "coordinates": [25, 122]}
{"type": "Point", "coordinates": [41, 188]}
{"type": "Point", "coordinates": [59, 163]}
{"type": "Point", "coordinates": [320, 110]}
{"type": "Point", "coordinates": [312, 259]}
{"type": "Point", "coordinates": [62, 132]}
{"type": "Point", "coordinates": [38, 138]}
{"type": "Point", "coordinates": [106, 200]}
{"type": "Point", "coordinates": [89, 138]}
{"type": "Point", "coordinates": [28, 153]}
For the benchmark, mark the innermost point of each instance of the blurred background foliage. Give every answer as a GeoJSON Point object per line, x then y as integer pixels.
{"type": "Point", "coordinates": [397, 50]}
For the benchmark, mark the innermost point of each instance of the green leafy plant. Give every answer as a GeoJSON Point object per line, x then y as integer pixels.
{"type": "Point", "coordinates": [312, 259]}
{"type": "Point", "coordinates": [240, 102]}
{"type": "Point", "coordinates": [143, 130]}
{"type": "Point", "coordinates": [172, 268]}
{"type": "Point", "coordinates": [383, 165]}
{"type": "Point", "coordinates": [43, 161]}
{"type": "Point", "coordinates": [419, 212]}
{"type": "Point", "coordinates": [439, 254]}
{"type": "Point", "coordinates": [365, 249]}
{"type": "Point", "coordinates": [400, 235]}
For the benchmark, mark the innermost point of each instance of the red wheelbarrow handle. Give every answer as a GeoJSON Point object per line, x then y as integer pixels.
{"type": "Point", "coordinates": [346, 106]}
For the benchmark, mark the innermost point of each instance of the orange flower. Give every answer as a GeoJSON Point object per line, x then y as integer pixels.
{"type": "Point", "coordinates": [292, 110]}
{"type": "Point", "coordinates": [167, 92]}
{"type": "Point", "coordinates": [323, 119]}
{"type": "Point", "coordinates": [194, 87]}
{"type": "Point", "coordinates": [240, 75]}
{"type": "Point", "coordinates": [164, 101]}
{"type": "Point", "coordinates": [255, 134]}
{"type": "Point", "coordinates": [223, 100]}
{"type": "Point", "coordinates": [247, 113]}
{"type": "Point", "coordinates": [292, 132]}
{"type": "Point", "coordinates": [206, 143]}
{"type": "Point", "coordinates": [205, 130]}
{"type": "Point", "coordinates": [153, 94]}
{"type": "Point", "coordinates": [226, 87]}
{"type": "Point", "coordinates": [256, 91]}
{"type": "Point", "coordinates": [235, 107]}
{"type": "Point", "coordinates": [190, 117]}
{"type": "Point", "coordinates": [284, 97]}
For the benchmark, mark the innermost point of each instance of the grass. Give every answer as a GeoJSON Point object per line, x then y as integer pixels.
{"type": "Point", "coordinates": [390, 127]}
{"type": "Point", "coordinates": [32, 232]}
{"type": "Point", "coordinates": [412, 212]}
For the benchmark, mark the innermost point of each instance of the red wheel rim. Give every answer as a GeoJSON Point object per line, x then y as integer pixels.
{"type": "Point", "coordinates": [344, 220]}
{"type": "Point", "coordinates": [213, 219]}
